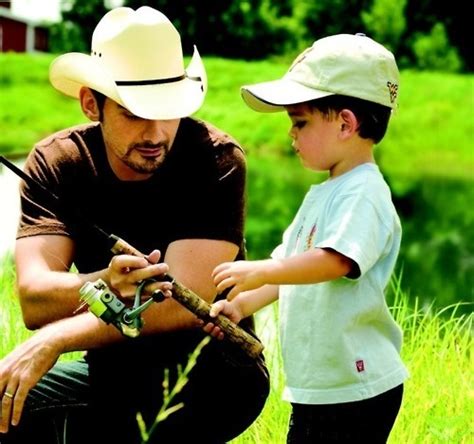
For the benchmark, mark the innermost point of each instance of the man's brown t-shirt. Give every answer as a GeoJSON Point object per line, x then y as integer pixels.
{"type": "Point", "coordinates": [198, 193]}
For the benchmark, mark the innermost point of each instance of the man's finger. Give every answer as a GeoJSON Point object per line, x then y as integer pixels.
{"type": "Point", "coordinates": [8, 399]}
{"type": "Point", "coordinates": [18, 405]}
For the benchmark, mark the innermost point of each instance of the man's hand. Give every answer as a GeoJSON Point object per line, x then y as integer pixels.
{"type": "Point", "coordinates": [22, 369]}
{"type": "Point", "coordinates": [126, 271]}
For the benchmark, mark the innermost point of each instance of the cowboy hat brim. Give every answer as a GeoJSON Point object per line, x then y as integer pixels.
{"type": "Point", "coordinates": [172, 100]}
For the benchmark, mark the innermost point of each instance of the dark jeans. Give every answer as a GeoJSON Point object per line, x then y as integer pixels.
{"type": "Point", "coordinates": [369, 421]}
{"type": "Point", "coordinates": [56, 408]}
{"type": "Point", "coordinates": [221, 399]}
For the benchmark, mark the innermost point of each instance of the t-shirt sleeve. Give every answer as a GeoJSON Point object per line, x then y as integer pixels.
{"type": "Point", "coordinates": [356, 229]}
{"type": "Point", "coordinates": [213, 207]}
{"type": "Point", "coordinates": [39, 210]}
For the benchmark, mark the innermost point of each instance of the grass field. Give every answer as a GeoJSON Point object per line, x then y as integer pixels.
{"type": "Point", "coordinates": [428, 156]}
{"type": "Point", "coordinates": [430, 135]}
{"type": "Point", "coordinates": [438, 404]}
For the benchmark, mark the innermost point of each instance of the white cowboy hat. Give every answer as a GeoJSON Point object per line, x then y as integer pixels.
{"type": "Point", "coordinates": [137, 61]}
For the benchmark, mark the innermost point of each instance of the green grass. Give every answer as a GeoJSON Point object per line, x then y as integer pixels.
{"type": "Point", "coordinates": [431, 134]}
{"type": "Point", "coordinates": [438, 405]}
{"type": "Point", "coordinates": [428, 157]}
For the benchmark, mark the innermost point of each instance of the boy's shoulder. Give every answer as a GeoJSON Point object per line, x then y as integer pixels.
{"type": "Point", "coordinates": [365, 174]}
{"type": "Point", "coordinates": [364, 180]}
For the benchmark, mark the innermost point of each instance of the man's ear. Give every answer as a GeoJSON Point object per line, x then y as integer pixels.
{"type": "Point", "coordinates": [89, 104]}
{"type": "Point", "coordinates": [349, 123]}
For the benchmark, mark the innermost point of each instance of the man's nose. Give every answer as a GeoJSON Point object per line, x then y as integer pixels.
{"type": "Point", "coordinates": [153, 131]}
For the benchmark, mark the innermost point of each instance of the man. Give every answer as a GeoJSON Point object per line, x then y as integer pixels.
{"type": "Point", "coordinates": [170, 185]}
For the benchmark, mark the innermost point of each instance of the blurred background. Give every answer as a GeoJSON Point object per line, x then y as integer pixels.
{"type": "Point", "coordinates": [427, 156]}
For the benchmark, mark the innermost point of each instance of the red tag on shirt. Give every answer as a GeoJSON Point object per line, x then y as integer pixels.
{"type": "Point", "coordinates": [360, 366]}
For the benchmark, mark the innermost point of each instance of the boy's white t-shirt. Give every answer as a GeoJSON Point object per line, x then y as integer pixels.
{"type": "Point", "coordinates": [339, 341]}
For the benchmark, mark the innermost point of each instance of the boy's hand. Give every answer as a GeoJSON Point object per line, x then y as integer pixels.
{"type": "Point", "coordinates": [241, 275]}
{"type": "Point", "coordinates": [225, 308]}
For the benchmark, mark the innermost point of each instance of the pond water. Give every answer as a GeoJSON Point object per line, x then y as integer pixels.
{"type": "Point", "coordinates": [437, 254]}
{"type": "Point", "coordinates": [10, 207]}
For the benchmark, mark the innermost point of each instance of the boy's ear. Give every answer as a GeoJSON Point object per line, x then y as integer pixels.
{"type": "Point", "coordinates": [349, 123]}
{"type": "Point", "coordinates": [89, 105]}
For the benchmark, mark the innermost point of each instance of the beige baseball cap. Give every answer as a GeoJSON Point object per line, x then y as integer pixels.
{"type": "Point", "coordinates": [345, 64]}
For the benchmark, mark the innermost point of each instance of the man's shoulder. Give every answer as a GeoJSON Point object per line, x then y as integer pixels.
{"type": "Point", "coordinates": [65, 149]}
{"type": "Point", "coordinates": [209, 133]}
{"type": "Point", "coordinates": [69, 136]}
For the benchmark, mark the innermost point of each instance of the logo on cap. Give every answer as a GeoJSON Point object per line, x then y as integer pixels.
{"type": "Point", "coordinates": [393, 90]}
{"type": "Point", "coordinates": [300, 58]}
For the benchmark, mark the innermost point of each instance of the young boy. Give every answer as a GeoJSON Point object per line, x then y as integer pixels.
{"type": "Point", "coordinates": [340, 344]}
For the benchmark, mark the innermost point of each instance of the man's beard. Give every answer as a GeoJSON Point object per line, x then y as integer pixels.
{"type": "Point", "coordinates": [144, 165]}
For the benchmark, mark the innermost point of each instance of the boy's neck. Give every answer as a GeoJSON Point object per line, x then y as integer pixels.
{"type": "Point", "coordinates": [356, 156]}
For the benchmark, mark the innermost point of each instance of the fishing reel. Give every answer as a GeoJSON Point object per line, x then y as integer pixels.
{"type": "Point", "coordinates": [106, 305]}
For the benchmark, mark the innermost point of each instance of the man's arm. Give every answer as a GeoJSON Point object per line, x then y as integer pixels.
{"type": "Point", "coordinates": [48, 291]}
{"type": "Point", "coordinates": [49, 282]}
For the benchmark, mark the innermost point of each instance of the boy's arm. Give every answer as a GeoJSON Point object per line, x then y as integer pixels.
{"type": "Point", "coordinates": [249, 302]}
{"type": "Point", "coordinates": [311, 267]}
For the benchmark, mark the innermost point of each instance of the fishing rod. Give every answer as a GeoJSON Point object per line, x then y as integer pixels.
{"type": "Point", "coordinates": [110, 309]}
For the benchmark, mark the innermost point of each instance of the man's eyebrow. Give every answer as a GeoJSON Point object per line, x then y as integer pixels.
{"type": "Point", "coordinates": [123, 109]}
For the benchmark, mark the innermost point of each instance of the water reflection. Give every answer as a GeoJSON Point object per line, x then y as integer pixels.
{"type": "Point", "coordinates": [10, 204]}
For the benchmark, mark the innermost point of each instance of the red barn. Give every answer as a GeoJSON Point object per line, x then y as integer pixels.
{"type": "Point", "coordinates": [20, 35]}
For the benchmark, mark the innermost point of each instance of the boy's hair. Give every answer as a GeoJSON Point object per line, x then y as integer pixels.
{"type": "Point", "coordinates": [372, 117]}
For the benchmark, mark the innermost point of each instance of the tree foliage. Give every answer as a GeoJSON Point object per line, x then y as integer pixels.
{"type": "Point", "coordinates": [422, 33]}
{"type": "Point", "coordinates": [74, 33]}
{"type": "Point", "coordinates": [385, 21]}
{"type": "Point", "coordinates": [432, 51]}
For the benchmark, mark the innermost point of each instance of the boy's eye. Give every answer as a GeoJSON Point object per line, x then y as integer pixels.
{"type": "Point", "coordinates": [299, 124]}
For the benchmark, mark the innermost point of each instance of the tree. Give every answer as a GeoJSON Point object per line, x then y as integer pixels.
{"type": "Point", "coordinates": [385, 22]}
{"type": "Point", "coordinates": [234, 28]}
{"type": "Point", "coordinates": [257, 28]}
{"type": "Point", "coordinates": [432, 51]}
{"type": "Point", "coordinates": [74, 33]}
{"type": "Point", "coordinates": [421, 17]}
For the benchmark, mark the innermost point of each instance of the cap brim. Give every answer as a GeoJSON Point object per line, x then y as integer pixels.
{"type": "Point", "coordinates": [273, 96]}
{"type": "Point", "coordinates": [70, 72]}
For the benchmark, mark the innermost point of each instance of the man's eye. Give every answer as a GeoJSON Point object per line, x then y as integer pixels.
{"type": "Point", "coordinates": [131, 116]}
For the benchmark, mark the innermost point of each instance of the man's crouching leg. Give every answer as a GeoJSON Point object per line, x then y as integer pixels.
{"type": "Point", "coordinates": [56, 409]}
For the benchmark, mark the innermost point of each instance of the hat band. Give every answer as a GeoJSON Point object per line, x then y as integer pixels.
{"type": "Point", "coordinates": [155, 81]}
